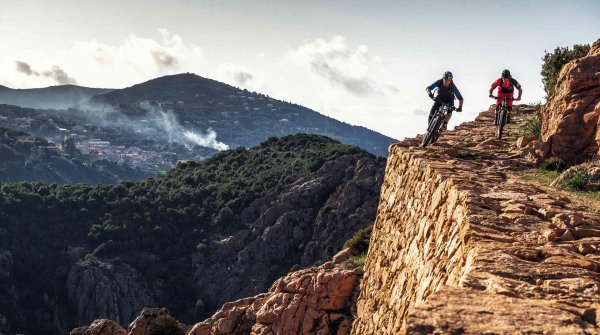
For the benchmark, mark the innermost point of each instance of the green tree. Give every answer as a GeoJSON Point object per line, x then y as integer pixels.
{"type": "Point", "coordinates": [69, 149]}
{"type": "Point", "coordinates": [554, 61]}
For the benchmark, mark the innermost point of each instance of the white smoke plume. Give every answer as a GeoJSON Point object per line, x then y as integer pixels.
{"type": "Point", "coordinates": [56, 73]}
{"type": "Point", "coordinates": [206, 140]}
{"type": "Point", "coordinates": [176, 133]}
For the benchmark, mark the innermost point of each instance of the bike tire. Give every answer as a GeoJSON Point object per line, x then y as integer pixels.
{"type": "Point", "coordinates": [501, 123]}
{"type": "Point", "coordinates": [433, 132]}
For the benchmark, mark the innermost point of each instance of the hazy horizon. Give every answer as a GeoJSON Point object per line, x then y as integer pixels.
{"type": "Point", "coordinates": [362, 63]}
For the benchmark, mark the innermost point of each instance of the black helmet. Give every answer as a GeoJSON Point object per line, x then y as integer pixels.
{"type": "Point", "coordinates": [506, 74]}
{"type": "Point", "coordinates": [447, 75]}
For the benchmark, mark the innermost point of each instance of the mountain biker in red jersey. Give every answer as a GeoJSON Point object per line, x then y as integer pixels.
{"type": "Point", "coordinates": [506, 87]}
{"type": "Point", "coordinates": [445, 94]}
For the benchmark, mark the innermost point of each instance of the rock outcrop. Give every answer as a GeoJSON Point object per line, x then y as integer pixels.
{"type": "Point", "coordinates": [152, 321]}
{"type": "Point", "coordinates": [100, 327]}
{"type": "Point", "coordinates": [311, 301]}
{"type": "Point", "coordinates": [571, 118]}
{"type": "Point", "coordinates": [463, 246]}
{"type": "Point", "coordinates": [104, 290]}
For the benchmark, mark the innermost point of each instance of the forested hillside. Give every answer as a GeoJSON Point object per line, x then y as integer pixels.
{"type": "Point", "coordinates": [70, 254]}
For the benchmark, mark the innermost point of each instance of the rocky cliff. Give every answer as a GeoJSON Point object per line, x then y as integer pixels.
{"type": "Point", "coordinates": [462, 246]}
{"type": "Point", "coordinates": [571, 120]}
{"type": "Point", "coordinates": [316, 300]}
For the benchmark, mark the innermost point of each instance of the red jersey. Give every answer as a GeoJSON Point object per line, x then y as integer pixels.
{"type": "Point", "coordinates": [506, 89]}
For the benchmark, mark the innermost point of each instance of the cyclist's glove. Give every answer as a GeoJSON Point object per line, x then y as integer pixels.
{"type": "Point", "coordinates": [459, 109]}
{"type": "Point", "coordinates": [431, 95]}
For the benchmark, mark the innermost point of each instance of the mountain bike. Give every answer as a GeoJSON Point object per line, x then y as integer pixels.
{"type": "Point", "coordinates": [502, 116]}
{"type": "Point", "coordinates": [436, 124]}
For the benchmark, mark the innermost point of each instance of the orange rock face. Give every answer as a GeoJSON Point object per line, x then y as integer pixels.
{"type": "Point", "coordinates": [311, 301]}
{"type": "Point", "coordinates": [570, 119]}
{"type": "Point", "coordinates": [461, 245]}
{"type": "Point", "coordinates": [150, 321]}
{"type": "Point", "coordinates": [100, 327]}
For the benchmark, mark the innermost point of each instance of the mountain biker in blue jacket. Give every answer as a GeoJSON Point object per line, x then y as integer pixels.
{"type": "Point", "coordinates": [446, 91]}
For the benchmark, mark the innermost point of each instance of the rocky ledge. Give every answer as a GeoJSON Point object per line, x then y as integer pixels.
{"type": "Point", "coordinates": [311, 301]}
{"type": "Point", "coordinates": [462, 245]}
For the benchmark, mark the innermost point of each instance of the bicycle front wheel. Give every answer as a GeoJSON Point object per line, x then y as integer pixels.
{"type": "Point", "coordinates": [501, 123]}
{"type": "Point", "coordinates": [433, 132]}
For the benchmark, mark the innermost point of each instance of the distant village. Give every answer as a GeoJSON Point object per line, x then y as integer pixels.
{"type": "Point", "coordinates": [96, 149]}
{"type": "Point", "coordinates": [133, 156]}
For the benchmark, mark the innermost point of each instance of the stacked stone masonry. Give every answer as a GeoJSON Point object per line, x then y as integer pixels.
{"type": "Point", "coordinates": [462, 245]}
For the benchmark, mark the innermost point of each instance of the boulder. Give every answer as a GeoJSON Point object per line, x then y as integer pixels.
{"type": "Point", "coordinates": [100, 327]}
{"type": "Point", "coordinates": [570, 119]}
{"type": "Point", "coordinates": [156, 321]}
{"type": "Point", "coordinates": [311, 301]}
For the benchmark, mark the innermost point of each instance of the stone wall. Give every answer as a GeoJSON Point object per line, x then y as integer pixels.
{"type": "Point", "coordinates": [462, 245]}
{"type": "Point", "coordinates": [417, 243]}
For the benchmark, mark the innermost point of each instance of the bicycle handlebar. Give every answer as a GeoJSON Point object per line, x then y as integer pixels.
{"type": "Point", "coordinates": [494, 97]}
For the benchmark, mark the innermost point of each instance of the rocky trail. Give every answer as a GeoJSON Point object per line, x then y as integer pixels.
{"type": "Point", "coordinates": [475, 248]}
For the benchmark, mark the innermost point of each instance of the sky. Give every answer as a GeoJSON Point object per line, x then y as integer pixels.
{"type": "Point", "coordinates": [362, 62]}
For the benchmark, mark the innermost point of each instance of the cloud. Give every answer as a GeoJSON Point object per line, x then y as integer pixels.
{"type": "Point", "coordinates": [93, 63]}
{"type": "Point", "coordinates": [138, 56]}
{"type": "Point", "coordinates": [55, 73]}
{"type": "Point", "coordinates": [163, 59]}
{"type": "Point", "coordinates": [242, 77]}
{"type": "Point", "coordinates": [25, 68]}
{"type": "Point", "coordinates": [342, 67]}
{"type": "Point", "coordinates": [59, 75]}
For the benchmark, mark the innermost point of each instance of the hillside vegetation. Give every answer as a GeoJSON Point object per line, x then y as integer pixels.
{"type": "Point", "coordinates": [52, 235]}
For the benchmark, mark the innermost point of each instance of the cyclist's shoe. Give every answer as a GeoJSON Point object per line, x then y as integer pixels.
{"type": "Point", "coordinates": [445, 126]}
{"type": "Point", "coordinates": [508, 118]}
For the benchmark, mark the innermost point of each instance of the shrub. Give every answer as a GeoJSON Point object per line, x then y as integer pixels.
{"type": "Point", "coordinates": [577, 180]}
{"type": "Point", "coordinates": [359, 261]}
{"type": "Point", "coordinates": [553, 164]}
{"type": "Point", "coordinates": [532, 127]}
{"type": "Point", "coordinates": [224, 217]}
{"type": "Point", "coordinates": [554, 61]}
{"type": "Point", "coordinates": [359, 243]}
